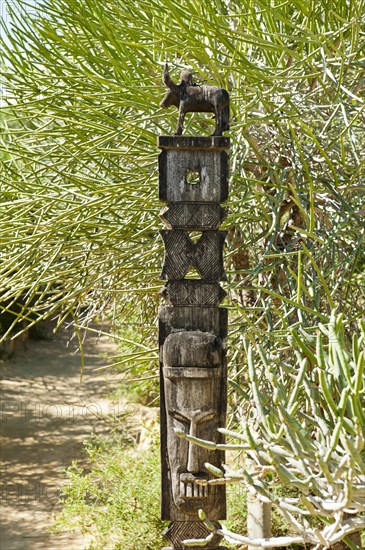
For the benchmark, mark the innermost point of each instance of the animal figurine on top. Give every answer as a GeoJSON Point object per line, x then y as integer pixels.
{"type": "Point", "coordinates": [191, 98]}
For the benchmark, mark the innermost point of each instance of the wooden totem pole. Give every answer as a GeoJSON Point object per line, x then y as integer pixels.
{"type": "Point", "coordinates": [193, 181]}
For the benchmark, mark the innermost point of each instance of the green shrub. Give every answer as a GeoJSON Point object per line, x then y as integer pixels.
{"type": "Point", "coordinates": [304, 431]}
{"type": "Point", "coordinates": [116, 499]}
{"type": "Point", "coordinates": [137, 361]}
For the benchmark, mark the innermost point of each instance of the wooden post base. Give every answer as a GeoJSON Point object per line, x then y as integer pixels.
{"type": "Point", "coordinates": [178, 531]}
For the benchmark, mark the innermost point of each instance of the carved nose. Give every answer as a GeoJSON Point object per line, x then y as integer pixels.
{"type": "Point", "coordinates": [193, 453]}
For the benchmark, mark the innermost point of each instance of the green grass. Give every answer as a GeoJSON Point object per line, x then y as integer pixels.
{"type": "Point", "coordinates": [114, 495]}
{"type": "Point", "coordinates": [115, 498]}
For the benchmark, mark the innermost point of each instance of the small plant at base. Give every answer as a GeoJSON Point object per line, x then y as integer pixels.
{"type": "Point", "coordinates": [117, 499]}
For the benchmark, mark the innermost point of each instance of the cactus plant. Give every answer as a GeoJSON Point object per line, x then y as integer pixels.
{"type": "Point", "coordinates": [305, 428]}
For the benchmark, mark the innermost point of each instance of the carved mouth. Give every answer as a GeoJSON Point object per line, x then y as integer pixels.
{"type": "Point", "coordinates": [189, 488]}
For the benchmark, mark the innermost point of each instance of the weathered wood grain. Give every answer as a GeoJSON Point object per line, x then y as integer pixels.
{"type": "Point", "coordinates": [205, 319]}
{"type": "Point", "coordinates": [217, 143]}
{"type": "Point", "coordinates": [192, 348]}
{"type": "Point", "coordinates": [194, 404]}
{"type": "Point", "coordinates": [175, 165]}
{"type": "Point", "coordinates": [193, 293]}
{"type": "Point", "coordinates": [193, 216]}
{"type": "Point", "coordinates": [189, 97]}
{"type": "Point", "coordinates": [181, 530]}
{"type": "Point", "coordinates": [205, 255]}
{"type": "Point", "coordinates": [193, 180]}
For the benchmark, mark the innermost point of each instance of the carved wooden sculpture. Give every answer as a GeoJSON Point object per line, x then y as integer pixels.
{"type": "Point", "coordinates": [193, 174]}
{"type": "Point", "coordinates": [189, 97]}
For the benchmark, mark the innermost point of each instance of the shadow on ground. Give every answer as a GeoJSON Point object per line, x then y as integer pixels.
{"type": "Point", "coordinates": [46, 414]}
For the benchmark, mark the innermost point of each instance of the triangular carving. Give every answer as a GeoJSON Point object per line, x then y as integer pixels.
{"type": "Point", "coordinates": [193, 293]}
{"type": "Point", "coordinates": [178, 531]}
{"type": "Point", "coordinates": [197, 216]}
{"type": "Point", "coordinates": [206, 255]}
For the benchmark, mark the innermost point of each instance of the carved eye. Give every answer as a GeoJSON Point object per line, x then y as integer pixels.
{"type": "Point", "coordinates": [208, 417]}
{"type": "Point", "coordinates": [178, 416]}
{"type": "Point", "coordinates": [192, 177]}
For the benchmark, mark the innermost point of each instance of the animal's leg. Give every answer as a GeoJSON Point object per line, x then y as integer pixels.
{"type": "Point", "coordinates": [179, 129]}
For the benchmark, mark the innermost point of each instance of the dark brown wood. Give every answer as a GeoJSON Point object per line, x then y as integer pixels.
{"type": "Point", "coordinates": [193, 293]}
{"type": "Point", "coordinates": [205, 255]}
{"type": "Point", "coordinates": [188, 97]}
{"type": "Point", "coordinates": [217, 143]}
{"type": "Point", "coordinates": [192, 348]}
{"type": "Point", "coordinates": [181, 530]}
{"type": "Point", "coordinates": [199, 216]}
{"type": "Point", "coordinates": [205, 319]}
{"type": "Point", "coordinates": [193, 180]}
{"type": "Point", "coordinates": [191, 387]}
{"type": "Point", "coordinates": [174, 167]}
{"type": "Point", "coordinates": [178, 388]}
{"type": "Point", "coordinates": [194, 400]}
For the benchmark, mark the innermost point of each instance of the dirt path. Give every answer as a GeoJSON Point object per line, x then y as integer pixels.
{"type": "Point", "coordinates": [45, 416]}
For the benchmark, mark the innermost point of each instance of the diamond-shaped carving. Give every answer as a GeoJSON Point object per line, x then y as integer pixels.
{"type": "Point", "coordinates": [179, 531]}
{"type": "Point", "coordinates": [193, 293]}
{"type": "Point", "coordinates": [187, 215]}
{"type": "Point", "coordinates": [181, 253]}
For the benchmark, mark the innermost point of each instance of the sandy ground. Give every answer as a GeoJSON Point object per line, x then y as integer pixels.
{"type": "Point", "coordinates": [45, 416]}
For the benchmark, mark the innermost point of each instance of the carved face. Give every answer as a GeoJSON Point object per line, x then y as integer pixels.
{"type": "Point", "coordinates": [192, 397]}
